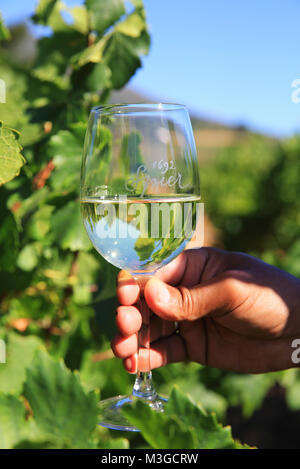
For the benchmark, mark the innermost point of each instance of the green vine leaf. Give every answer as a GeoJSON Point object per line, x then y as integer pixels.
{"type": "Point", "coordinates": [68, 230]}
{"type": "Point", "coordinates": [51, 13]}
{"type": "Point", "coordinates": [43, 11]}
{"type": "Point", "coordinates": [19, 354]}
{"type": "Point", "coordinates": [183, 425]}
{"type": "Point", "coordinates": [133, 25]}
{"type": "Point", "coordinates": [12, 421]}
{"type": "Point", "coordinates": [65, 149]}
{"type": "Point", "coordinates": [120, 60]}
{"type": "Point", "coordinates": [11, 158]}
{"type": "Point", "coordinates": [92, 54]}
{"type": "Point", "coordinates": [61, 407]}
{"type": "Point", "coordinates": [104, 14]}
{"type": "Point", "coordinates": [159, 430]}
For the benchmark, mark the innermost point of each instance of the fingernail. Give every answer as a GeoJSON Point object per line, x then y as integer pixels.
{"type": "Point", "coordinates": [160, 291]}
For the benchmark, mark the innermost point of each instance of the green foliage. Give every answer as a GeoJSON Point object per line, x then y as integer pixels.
{"type": "Point", "coordinates": [54, 410]}
{"type": "Point", "coordinates": [256, 204]}
{"type": "Point", "coordinates": [12, 420]}
{"type": "Point", "coordinates": [183, 425]}
{"type": "Point", "coordinates": [104, 15]}
{"type": "Point", "coordinates": [9, 239]}
{"type": "Point", "coordinates": [60, 406]}
{"type": "Point", "coordinates": [65, 150]}
{"type": "Point", "coordinates": [247, 390]}
{"type": "Point", "coordinates": [11, 159]}
{"type": "Point", "coordinates": [48, 275]}
{"type": "Point", "coordinates": [19, 354]}
{"type": "Point", "coordinates": [67, 228]}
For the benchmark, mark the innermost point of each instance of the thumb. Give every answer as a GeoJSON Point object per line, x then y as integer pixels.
{"type": "Point", "coordinates": [182, 303]}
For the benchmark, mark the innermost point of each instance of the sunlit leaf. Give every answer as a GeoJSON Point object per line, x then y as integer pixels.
{"type": "Point", "coordinates": [40, 223]}
{"type": "Point", "coordinates": [160, 430]}
{"type": "Point", "coordinates": [28, 257]}
{"type": "Point", "coordinates": [94, 54]}
{"type": "Point", "coordinates": [65, 148]}
{"type": "Point", "coordinates": [12, 420]}
{"type": "Point", "coordinates": [11, 158]}
{"type": "Point", "coordinates": [182, 425]}
{"type": "Point", "coordinates": [103, 13]}
{"type": "Point", "coordinates": [43, 10]}
{"type": "Point", "coordinates": [99, 78]}
{"type": "Point", "coordinates": [120, 59]}
{"type": "Point", "coordinates": [209, 432]}
{"type": "Point", "coordinates": [60, 405]}
{"type": "Point", "coordinates": [68, 229]}
{"type": "Point", "coordinates": [133, 25]}
{"type": "Point", "coordinates": [80, 18]}
{"type": "Point", "coordinates": [60, 17]}
{"type": "Point", "coordinates": [19, 354]}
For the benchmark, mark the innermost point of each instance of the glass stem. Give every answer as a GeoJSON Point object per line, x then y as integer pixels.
{"type": "Point", "coordinates": [143, 387]}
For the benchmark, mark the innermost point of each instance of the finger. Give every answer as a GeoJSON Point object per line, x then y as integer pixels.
{"type": "Point", "coordinates": [128, 320]}
{"type": "Point", "coordinates": [162, 352]}
{"type": "Point", "coordinates": [160, 328]}
{"type": "Point", "coordinates": [130, 364]}
{"type": "Point", "coordinates": [216, 296]}
{"type": "Point", "coordinates": [173, 272]}
{"type": "Point", "coordinates": [195, 265]}
{"type": "Point", "coordinates": [127, 289]}
{"type": "Point", "coordinates": [124, 346]}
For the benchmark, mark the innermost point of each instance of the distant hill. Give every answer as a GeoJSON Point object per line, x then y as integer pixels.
{"type": "Point", "coordinates": [128, 95]}
{"type": "Point", "coordinates": [209, 135]}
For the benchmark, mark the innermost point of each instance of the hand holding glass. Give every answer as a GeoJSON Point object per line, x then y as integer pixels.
{"type": "Point", "coordinates": [139, 199]}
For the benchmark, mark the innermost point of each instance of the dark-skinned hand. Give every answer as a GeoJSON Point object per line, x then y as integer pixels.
{"type": "Point", "coordinates": [223, 309]}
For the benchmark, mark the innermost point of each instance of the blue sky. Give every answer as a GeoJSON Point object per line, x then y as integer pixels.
{"type": "Point", "coordinates": [229, 60]}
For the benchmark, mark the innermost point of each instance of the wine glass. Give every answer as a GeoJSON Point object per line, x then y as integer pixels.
{"type": "Point", "coordinates": [140, 204]}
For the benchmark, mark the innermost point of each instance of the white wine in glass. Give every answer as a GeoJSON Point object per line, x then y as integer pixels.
{"type": "Point", "coordinates": [140, 198]}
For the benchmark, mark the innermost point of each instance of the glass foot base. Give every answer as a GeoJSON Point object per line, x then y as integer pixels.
{"type": "Point", "coordinates": [111, 415]}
